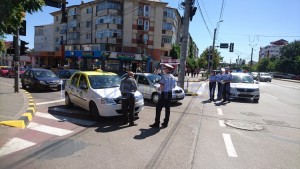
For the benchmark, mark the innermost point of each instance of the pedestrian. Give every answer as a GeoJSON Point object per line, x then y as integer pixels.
{"type": "Point", "coordinates": [167, 83]}
{"type": "Point", "coordinates": [128, 87]}
{"type": "Point", "coordinates": [155, 71]}
{"type": "Point", "coordinates": [226, 78]}
{"type": "Point", "coordinates": [212, 86]}
{"type": "Point", "coordinates": [220, 85]}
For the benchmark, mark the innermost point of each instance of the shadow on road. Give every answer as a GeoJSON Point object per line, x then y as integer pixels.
{"type": "Point", "coordinates": [151, 104]}
{"type": "Point", "coordinates": [146, 133]}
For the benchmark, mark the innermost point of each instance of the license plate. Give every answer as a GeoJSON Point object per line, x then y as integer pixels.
{"type": "Point", "coordinates": [53, 85]}
{"type": "Point", "coordinates": [244, 93]}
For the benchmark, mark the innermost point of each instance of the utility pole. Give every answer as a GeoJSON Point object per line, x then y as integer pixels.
{"type": "Point", "coordinates": [251, 60]}
{"type": "Point", "coordinates": [238, 61]}
{"type": "Point", "coordinates": [16, 60]}
{"type": "Point", "coordinates": [184, 41]}
{"type": "Point", "coordinates": [211, 59]}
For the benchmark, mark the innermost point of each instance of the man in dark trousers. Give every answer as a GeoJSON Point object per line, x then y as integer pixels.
{"type": "Point", "coordinates": [167, 83]}
{"type": "Point", "coordinates": [212, 86]}
{"type": "Point", "coordinates": [128, 87]}
{"type": "Point", "coordinates": [226, 78]}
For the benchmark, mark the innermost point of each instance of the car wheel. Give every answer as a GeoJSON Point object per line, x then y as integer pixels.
{"type": "Point", "coordinates": [255, 100]}
{"type": "Point", "coordinates": [155, 97]}
{"type": "Point", "coordinates": [23, 86]}
{"type": "Point", "coordinates": [35, 87]}
{"type": "Point", "coordinates": [69, 104]}
{"type": "Point", "coordinates": [94, 111]}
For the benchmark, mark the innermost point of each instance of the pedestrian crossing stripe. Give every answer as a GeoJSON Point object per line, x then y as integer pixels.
{"type": "Point", "coordinates": [48, 129]}
{"type": "Point", "coordinates": [15, 144]}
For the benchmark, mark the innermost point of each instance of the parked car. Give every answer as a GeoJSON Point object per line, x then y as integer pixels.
{"type": "Point", "coordinates": [40, 79]}
{"type": "Point", "coordinates": [99, 93]}
{"type": "Point", "coordinates": [266, 77]}
{"type": "Point", "coordinates": [148, 85]}
{"type": "Point", "coordinates": [11, 72]}
{"type": "Point", "coordinates": [254, 75]}
{"type": "Point", "coordinates": [242, 85]}
{"type": "Point", "coordinates": [65, 74]}
{"type": "Point", "coordinates": [4, 71]}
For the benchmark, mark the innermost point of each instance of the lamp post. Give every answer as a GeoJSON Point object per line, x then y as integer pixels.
{"type": "Point", "coordinates": [252, 46]}
{"type": "Point", "coordinates": [213, 48]}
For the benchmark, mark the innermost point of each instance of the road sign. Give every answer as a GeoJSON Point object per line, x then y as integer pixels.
{"type": "Point", "coordinates": [224, 45]}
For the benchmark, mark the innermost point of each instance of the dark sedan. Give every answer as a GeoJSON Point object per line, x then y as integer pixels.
{"type": "Point", "coordinates": [40, 79]}
{"type": "Point", "coordinates": [65, 74]}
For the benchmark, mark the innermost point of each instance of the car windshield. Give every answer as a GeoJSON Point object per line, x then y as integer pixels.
{"type": "Point", "coordinates": [22, 69]}
{"type": "Point", "coordinates": [43, 74]}
{"type": "Point", "coordinates": [73, 71]}
{"type": "Point", "coordinates": [242, 79]}
{"type": "Point", "coordinates": [104, 81]}
{"type": "Point", "coordinates": [264, 74]}
{"type": "Point", "coordinates": [154, 78]}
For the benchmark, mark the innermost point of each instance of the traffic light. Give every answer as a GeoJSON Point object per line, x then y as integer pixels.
{"type": "Point", "coordinates": [23, 47]}
{"type": "Point", "coordinates": [192, 12]}
{"type": "Point", "coordinates": [231, 47]}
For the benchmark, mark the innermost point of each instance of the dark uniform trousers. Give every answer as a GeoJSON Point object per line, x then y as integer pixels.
{"type": "Point", "coordinates": [220, 90]}
{"type": "Point", "coordinates": [164, 101]}
{"type": "Point", "coordinates": [212, 88]}
{"type": "Point", "coordinates": [226, 91]}
{"type": "Point", "coordinates": [128, 102]}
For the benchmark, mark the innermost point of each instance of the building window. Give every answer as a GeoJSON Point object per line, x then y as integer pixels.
{"type": "Point", "coordinates": [108, 5]}
{"type": "Point", "coordinates": [56, 29]}
{"type": "Point", "coordinates": [72, 24]}
{"type": "Point", "coordinates": [145, 38]}
{"type": "Point", "coordinates": [167, 26]}
{"type": "Point", "coordinates": [140, 21]}
{"type": "Point", "coordinates": [109, 19]}
{"type": "Point", "coordinates": [88, 36]}
{"type": "Point", "coordinates": [166, 39]}
{"type": "Point", "coordinates": [89, 10]}
{"type": "Point", "coordinates": [146, 25]}
{"type": "Point", "coordinates": [72, 11]}
{"type": "Point", "coordinates": [147, 11]}
{"type": "Point", "coordinates": [88, 24]}
{"type": "Point", "coordinates": [56, 18]}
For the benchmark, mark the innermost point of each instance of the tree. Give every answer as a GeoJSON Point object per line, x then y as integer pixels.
{"type": "Point", "coordinates": [12, 13]}
{"type": "Point", "coordinates": [216, 58]}
{"type": "Point", "coordinates": [191, 50]}
{"type": "Point", "coordinates": [175, 51]}
{"type": "Point", "coordinates": [288, 62]}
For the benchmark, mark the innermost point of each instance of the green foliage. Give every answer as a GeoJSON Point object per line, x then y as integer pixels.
{"type": "Point", "coordinates": [12, 13]}
{"type": "Point", "coordinates": [2, 46]}
{"type": "Point", "coordinates": [191, 51]}
{"type": "Point", "coordinates": [216, 58]}
{"type": "Point", "coordinates": [191, 62]}
{"type": "Point", "coordinates": [175, 51]}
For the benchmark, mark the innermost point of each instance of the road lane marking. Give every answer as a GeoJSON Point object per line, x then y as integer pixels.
{"type": "Point", "coordinates": [48, 129]}
{"type": "Point", "coordinates": [55, 101]}
{"type": "Point", "coordinates": [220, 112]}
{"type": "Point", "coordinates": [68, 119]}
{"type": "Point", "coordinates": [271, 96]}
{"type": "Point", "coordinates": [222, 123]}
{"type": "Point", "coordinates": [229, 146]}
{"type": "Point", "coordinates": [15, 144]}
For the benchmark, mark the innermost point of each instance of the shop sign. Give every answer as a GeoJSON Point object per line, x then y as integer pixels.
{"type": "Point", "coordinates": [126, 56]}
{"type": "Point", "coordinates": [87, 54]}
{"type": "Point", "coordinates": [169, 60]}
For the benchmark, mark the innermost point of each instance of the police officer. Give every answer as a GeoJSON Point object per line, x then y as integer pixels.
{"type": "Point", "coordinates": [167, 83]}
{"type": "Point", "coordinates": [226, 78]}
{"type": "Point", "coordinates": [128, 87]}
{"type": "Point", "coordinates": [212, 85]}
{"type": "Point", "coordinates": [220, 85]}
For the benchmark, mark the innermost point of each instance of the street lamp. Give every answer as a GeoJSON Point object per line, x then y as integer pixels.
{"type": "Point", "coordinates": [213, 47]}
{"type": "Point", "coordinates": [252, 46]}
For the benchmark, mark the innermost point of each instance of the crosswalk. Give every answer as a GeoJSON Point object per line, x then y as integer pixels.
{"type": "Point", "coordinates": [44, 127]}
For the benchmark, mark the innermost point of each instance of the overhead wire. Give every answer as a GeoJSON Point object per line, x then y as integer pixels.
{"type": "Point", "coordinates": [204, 19]}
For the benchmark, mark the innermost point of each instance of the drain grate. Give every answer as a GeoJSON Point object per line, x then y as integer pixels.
{"type": "Point", "coordinates": [244, 125]}
{"type": "Point", "coordinates": [276, 123]}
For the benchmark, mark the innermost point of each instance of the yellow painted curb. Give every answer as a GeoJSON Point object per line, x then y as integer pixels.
{"type": "Point", "coordinates": [14, 123]}
{"type": "Point", "coordinates": [32, 109]}
{"type": "Point", "coordinates": [29, 116]}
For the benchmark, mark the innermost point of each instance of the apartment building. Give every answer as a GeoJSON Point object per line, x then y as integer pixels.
{"type": "Point", "coordinates": [272, 50]}
{"type": "Point", "coordinates": [116, 35]}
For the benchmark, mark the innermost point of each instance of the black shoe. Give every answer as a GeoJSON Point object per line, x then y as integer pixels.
{"type": "Point", "coordinates": [154, 125]}
{"type": "Point", "coordinates": [164, 125]}
{"type": "Point", "coordinates": [224, 101]}
{"type": "Point", "coordinates": [132, 124]}
{"type": "Point", "coordinates": [228, 101]}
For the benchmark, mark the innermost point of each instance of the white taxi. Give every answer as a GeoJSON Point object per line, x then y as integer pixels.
{"type": "Point", "coordinates": [99, 93]}
{"type": "Point", "coordinates": [242, 85]}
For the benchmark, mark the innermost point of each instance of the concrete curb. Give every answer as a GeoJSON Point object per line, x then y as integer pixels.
{"type": "Point", "coordinates": [24, 120]}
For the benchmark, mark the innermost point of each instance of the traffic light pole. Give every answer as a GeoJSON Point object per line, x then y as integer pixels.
{"type": "Point", "coordinates": [251, 60]}
{"type": "Point", "coordinates": [184, 41]}
{"type": "Point", "coordinates": [16, 60]}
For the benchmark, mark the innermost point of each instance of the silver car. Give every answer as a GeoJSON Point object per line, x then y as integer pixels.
{"type": "Point", "coordinates": [148, 85]}
{"type": "Point", "coordinates": [242, 85]}
{"type": "Point", "coordinates": [266, 77]}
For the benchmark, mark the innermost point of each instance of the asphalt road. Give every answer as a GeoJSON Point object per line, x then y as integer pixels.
{"type": "Point", "coordinates": [197, 135]}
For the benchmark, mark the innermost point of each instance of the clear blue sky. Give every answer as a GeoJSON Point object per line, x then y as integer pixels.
{"type": "Point", "coordinates": [255, 22]}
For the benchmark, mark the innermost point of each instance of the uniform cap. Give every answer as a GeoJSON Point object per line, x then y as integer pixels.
{"type": "Point", "coordinates": [168, 66]}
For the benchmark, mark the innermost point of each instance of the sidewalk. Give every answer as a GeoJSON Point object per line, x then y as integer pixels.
{"type": "Point", "coordinates": [192, 84]}
{"type": "Point", "coordinates": [12, 105]}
